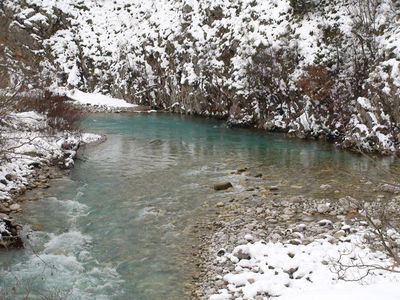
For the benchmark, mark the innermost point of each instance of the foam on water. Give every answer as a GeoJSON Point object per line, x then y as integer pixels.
{"type": "Point", "coordinates": [68, 242]}
{"type": "Point", "coordinates": [65, 265]}
{"type": "Point", "coordinates": [71, 208]}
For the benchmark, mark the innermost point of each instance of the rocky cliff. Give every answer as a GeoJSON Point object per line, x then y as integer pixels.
{"type": "Point", "coordinates": [311, 68]}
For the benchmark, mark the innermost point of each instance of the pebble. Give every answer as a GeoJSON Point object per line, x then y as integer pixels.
{"type": "Point", "coordinates": [323, 208]}
{"type": "Point", "coordinates": [242, 255]}
{"type": "Point", "coordinates": [325, 187]}
{"type": "Point", "coordinates": [307, 219]}
{"type": "Point", "coordinates": [296, 187]}
{"type": "Point", "coordinates": [275, 237]}
{"type": "Point", "coordinates": [325, 223]}
{"type": "Point", "coordinates": [339, 234]}
{"type": "Point", "coordinates": [4, 209]}
{"type": "Point", "coordinates": [222, 186]}
{"type": "Point", "coordinates": [15, 207]}
{"type": "Point", "coordinates": [249, 237]}
{"type": "Point", "coordinates": [295, 242]}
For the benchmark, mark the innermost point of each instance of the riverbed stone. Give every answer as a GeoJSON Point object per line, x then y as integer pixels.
{"type": "Point", "coordinates": [10, 177]}
{"type": "Point", "coordinates": [15, 207]}
{"type": "Point", "coordinates": [222, 186]}
{"type": "Point", "coordinates": [249, 237]}
{"type": "Point", "coordinates": [4, 209]}
{"type": "Point", "coordinates": [323, 208]}
{"type": "Point", "coordinates": [4, 216]}
{"type": "Point", "coordinates": [325, 187]}
{"type": "Point", "coordinates": [339, 234]}
{"type": "Point", "coordinates": [241, 170]}
{"type": "Point", "coordinates": [240, 254]}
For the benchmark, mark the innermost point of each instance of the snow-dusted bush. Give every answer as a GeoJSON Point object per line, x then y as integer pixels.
{"type": "Point", "coordinates": [61, 114]}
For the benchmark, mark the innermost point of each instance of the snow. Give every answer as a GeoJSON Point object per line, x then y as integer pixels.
{"type": "Point", "coordinates": [3, 228]}
{"type": "Point", "coordinates": [28, 142]}
{"type": "Point", "coordinates": [74, 76]}
{"type": "Point", "coordinates": [387, 291]}
{"type": "Point", "coordinates": [309, 271]}
{"type": "Point", "coordinates": [365, 103]}
{"type": "Point", "coordinates": [98, 99]}
{"type": "Point", "coordinates": [88, 137]}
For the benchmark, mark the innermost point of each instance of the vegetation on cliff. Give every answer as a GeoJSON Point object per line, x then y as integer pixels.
{"type": "Point", "coordinates": [312, 68]}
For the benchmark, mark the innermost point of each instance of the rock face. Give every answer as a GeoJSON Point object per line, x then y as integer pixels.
{"type": "Point", "coordinates": [24, 28]}
{"type": "Point", "coordinates": [160, 57]}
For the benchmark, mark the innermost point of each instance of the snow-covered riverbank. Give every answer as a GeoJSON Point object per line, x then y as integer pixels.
{"type": "Point", "coordinates": [94, 102]}
{"type": "Point", "coordinates": [29, 147]}
{"type": "Point", "coordinates": [28, 150]}
{"type": "Point", "coordinates": [264, 245]}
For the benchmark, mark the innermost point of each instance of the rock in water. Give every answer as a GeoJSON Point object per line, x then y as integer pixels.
{"type": "Point", "coordinates": [222, 186]}
{"type": "Point", "coordinates": [241, 170]}
{"type": "Point", "coordinates": [15, 207]}
{"type": "Point", "coordinates": [4, 209]}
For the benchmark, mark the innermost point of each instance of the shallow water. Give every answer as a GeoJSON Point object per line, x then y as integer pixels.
{"type": "Point", "coordinates": [118, 226]}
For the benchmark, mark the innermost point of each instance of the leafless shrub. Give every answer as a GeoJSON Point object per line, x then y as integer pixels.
{"type": "Point", "coordinates": [269, 82]}
{"type": "Point", "coordinates": [323, 89]}
{"type": "Point", "coordinates": [383, 220]}
{"type": "Point", "coordinates": [364, 27]}
{"type": "Point", "coordinates": [62, 115]}
{"type": "Point", "coordinates": [380, 218]}
{"type": "Point", "coordinates": [24, 290]}
{"type": "Point", "coordinates": [356, 265]}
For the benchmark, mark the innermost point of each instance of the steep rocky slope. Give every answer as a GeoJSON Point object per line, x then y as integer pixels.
{"type": "Point", "coordinates": [323, 69]}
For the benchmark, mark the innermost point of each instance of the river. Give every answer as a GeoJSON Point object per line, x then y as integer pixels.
{"type": "Point", "coordinates": [119, 226]}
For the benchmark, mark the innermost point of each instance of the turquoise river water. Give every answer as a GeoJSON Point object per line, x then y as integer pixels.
{"type": "Point", "coordinates": [119, 225]}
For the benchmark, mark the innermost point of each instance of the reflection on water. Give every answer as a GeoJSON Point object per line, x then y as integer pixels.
{"type": "Point", "coordinates": [116, 227]}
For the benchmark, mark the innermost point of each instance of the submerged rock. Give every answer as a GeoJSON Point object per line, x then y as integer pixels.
{"type": "Point", "coordinates": [15, 207]}
{"type": "Point", "coordinates": [241, 170]}
{"type": "Point", "coordinates": [222, 186]}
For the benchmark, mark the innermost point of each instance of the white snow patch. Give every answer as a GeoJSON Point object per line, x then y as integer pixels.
{"type": "Point", "coordinates": [98, 99]}
{"type": "Point", "coordinates": [308, 271]}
